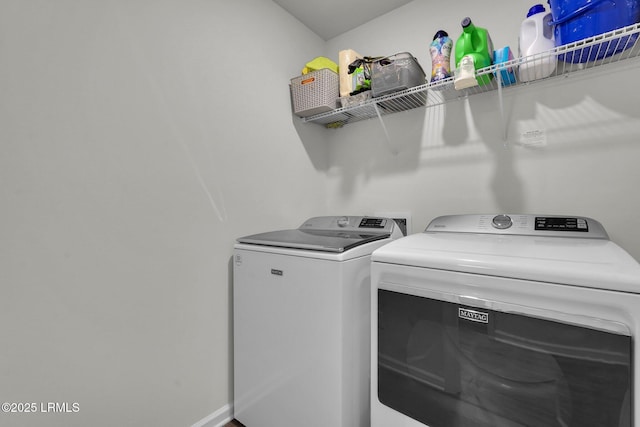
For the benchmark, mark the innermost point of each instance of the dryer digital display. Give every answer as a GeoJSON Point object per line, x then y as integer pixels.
{"type": "Point", "coordinates": [562, 224]}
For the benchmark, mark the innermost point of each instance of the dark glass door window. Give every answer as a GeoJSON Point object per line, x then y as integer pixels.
{"type": "Point", "coordinates": [450, 365]}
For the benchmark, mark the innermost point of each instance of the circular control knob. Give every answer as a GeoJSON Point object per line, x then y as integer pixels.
{"type": "Point", "coordinates": [502, 222]}
{"type": "Point", "coordinates": [343, 221]}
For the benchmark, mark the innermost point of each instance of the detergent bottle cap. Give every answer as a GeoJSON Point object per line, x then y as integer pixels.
{"type": "Point", "coordinates": [466, 22]}
{"type": "Point", "coordinates": [535, 10]}
{"type": "Point", "coordinates": [440, 34]}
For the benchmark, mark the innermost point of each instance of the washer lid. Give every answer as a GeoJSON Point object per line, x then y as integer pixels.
{"type": "Point", "coordinates": [328, 241]}
{"type": "Point", "coordinates": [327, 234]}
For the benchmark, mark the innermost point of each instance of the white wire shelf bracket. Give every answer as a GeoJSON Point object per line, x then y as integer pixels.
{"type": "Point", "coordinates": [618, 45]}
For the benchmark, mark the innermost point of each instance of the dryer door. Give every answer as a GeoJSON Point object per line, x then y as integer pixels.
{"type": "Point", "coordinates": [446, 364]}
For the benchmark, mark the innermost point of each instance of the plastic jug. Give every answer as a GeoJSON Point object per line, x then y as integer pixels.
{"type": "Point", "coordinates": [536, 39]}
{"type": "Point", "coordinates": [475, 43]}
{"type": "Point", "coordinates": [440, 50]}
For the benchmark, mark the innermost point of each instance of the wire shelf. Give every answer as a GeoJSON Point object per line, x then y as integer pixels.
{"type": "Point", "coordinates": [615, 46]}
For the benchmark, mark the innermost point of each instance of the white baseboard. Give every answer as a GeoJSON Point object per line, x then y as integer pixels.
{"type": "Point", "coordinates": [218, 418]}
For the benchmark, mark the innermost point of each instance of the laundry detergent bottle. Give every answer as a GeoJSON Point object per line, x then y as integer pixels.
{"type": "Point", "coordinates": [440, 50]}
{"type": "Point", "coordinates": [536, 39]}
{"type": "Point", "coordinates": [474, 46]}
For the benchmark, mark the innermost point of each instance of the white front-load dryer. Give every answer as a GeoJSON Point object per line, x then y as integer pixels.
{"type": "Point", "coordinates": [505, 321]}
{"type": "Point", "coordinates": [301, 310]}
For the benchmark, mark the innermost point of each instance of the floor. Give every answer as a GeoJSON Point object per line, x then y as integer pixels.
{"type": "Point", "coordinates": [233, 423]}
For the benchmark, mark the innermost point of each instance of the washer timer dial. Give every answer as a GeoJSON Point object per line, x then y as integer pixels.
{"type": "Point", "coordinates": [502, 222]}
{"type": "Point", "coordinates": [343, 221]}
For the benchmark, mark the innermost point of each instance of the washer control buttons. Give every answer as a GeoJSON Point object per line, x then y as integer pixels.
{"type": "Point", "coordinates": [502, 222]}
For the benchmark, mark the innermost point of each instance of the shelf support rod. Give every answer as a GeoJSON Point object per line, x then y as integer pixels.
{"type": "Point", "coordinates": [501, 102]}
{"type": "Point", "coordinates": [384, 129]}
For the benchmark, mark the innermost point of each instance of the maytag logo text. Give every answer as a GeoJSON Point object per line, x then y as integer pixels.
{"type": "Point", "coordinates": [474, 316]}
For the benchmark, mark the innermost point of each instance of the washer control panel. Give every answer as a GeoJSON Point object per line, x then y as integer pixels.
{"type": "Point", "coordinates": [520, 224]}
{"type": "Point", "coordinates": [367, 224]}
{"type": "Point", "coordinates": [370, 222]}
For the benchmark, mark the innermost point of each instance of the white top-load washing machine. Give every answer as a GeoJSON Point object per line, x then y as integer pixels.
{"type": "Point", "coordinates": [505, 321]}
{"type": "Point", "coordinates": [301, 312]}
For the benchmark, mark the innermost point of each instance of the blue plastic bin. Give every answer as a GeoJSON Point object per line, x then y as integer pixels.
{"type": "Point", "coordinates": [576, 20]}
{"type": "Point", "coordinates": [507, 74]}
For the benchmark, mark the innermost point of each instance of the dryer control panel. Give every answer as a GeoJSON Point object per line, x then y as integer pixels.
{"type": "Point", "coordinates": [520, 224]}
{"type": "Point", "coordinates": [562, 224]}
